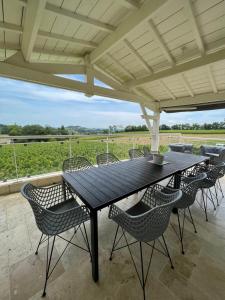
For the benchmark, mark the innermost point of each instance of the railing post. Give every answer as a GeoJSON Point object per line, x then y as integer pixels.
{"type": "Point", "coordinates": [15, 161]}
{"type": "Point", "coordinates": [70, 149]}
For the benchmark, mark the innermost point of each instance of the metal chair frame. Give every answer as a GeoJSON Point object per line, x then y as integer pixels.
{"type": "Point", "coordinates": [47, 204]}
{"type": "Point", "coordinates": [106, 159]}
{"type": "Point", "coordinates": [190, 184]}
{"type": "Point", "coordinates": [146, 227]}
{"type": "Point", "coordinates": [135, 153]}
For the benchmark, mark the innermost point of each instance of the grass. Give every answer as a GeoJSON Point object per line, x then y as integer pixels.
{"type": "Point", "coordinates": [192, 131]}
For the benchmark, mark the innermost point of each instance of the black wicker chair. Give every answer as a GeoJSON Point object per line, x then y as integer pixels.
{"type": "Point", "coordinates": [146, 222]}
{"type": "Point", "coordinates": [190, 184]}
{"type": "Point", "coordinates": [76, 163]}
{"type": "Point", "coordinates": [135, 153]}
{"type": "Point", "coordinates": [147, 151]}
{"type": "Point", "coordinates": [56, 211]}
{"type": "Point", "coordinates": [106, 159]}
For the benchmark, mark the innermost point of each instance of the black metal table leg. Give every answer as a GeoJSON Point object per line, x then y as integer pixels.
{"type": "Point", "coordinates": [177, 181]}
{"type": "Point", "coordinates": [94, 245]}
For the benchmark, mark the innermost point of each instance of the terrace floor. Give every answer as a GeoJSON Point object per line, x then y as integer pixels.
{"type": "Point", "coordinates": [198, 275]}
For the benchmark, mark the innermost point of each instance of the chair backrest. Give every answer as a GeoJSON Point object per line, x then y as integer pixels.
{"type": "Point", "coordinates": [42, 198]}
{"type": "Point", "coordinates": [135, 153]}
{"type": "Point", "coordinates": [190, 190]}
{"type": "Point", "coordinates": [222, 156]}
{"type": "Point", "coordinates": [76, 163]}
{"type": "Point", "coordinates": [216, 172]}
{"type": "Point", "coordinates": [153, 223]}
{"type": "Point", "coordinates": [147, 151]}
{"type": "Point", "coordinates": [177, 148]}
{"type": "Point", "coordinates": [106, 158]}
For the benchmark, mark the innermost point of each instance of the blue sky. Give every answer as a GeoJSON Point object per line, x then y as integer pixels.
{"type": "Point", "coordinates": [26, 103]}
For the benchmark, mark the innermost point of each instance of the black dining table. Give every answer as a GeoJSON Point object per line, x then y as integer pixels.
{"type": "Point", "coordinates": [99, 187]}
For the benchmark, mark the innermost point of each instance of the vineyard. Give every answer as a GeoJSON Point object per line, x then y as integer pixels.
{"type": "Point", "coordinates": [29, 159]}
{"type": "Point", "coordinates": [39, 158]}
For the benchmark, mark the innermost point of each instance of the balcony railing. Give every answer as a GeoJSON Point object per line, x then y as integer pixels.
{"type": "Point", "coordinates": [27, 156]}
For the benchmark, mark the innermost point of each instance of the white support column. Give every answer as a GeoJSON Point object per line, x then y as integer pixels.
{"type": "Point", "coordinates": [155, 133]}
{"type": "Point", "coordinates": [153, 129]}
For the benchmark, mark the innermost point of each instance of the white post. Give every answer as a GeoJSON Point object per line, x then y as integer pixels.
{"type": "Point", "coordinates": [155, 133]}
{"type": "Point", "coordinates": [153, 129]}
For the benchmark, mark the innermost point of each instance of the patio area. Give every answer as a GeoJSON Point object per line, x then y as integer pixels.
{"type": "Point", "coordinates": [199, 274]}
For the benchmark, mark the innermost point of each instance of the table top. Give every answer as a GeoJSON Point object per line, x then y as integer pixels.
{"type": "Point", "coordinates": [99, 187]}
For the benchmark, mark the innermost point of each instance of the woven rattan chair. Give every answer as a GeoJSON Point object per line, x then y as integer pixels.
{"type": "Point", "coordinates": [213, 175]}
{"type": "Point", "coordinates": [146, 222]}
{"type": "Point", "coordinates": [190, 184]}
{"type": "Point", "coordinates": [106, 159]}
{"type": "Point", "coordinates": [217, 160]}
{"type": "Point", "coordinates": [76, 163]}
{"type": "Point", "coordinates": [147, 151]}
{"type": "Point", "coordinates": [56, 211]}
{"type": "Point", "coordinates": [135, 153]}
{"type": "Point", "coordinates": [177, 148]}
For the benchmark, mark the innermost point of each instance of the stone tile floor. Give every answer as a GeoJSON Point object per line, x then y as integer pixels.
{"type": "Point", "coordinates": [198, 275]}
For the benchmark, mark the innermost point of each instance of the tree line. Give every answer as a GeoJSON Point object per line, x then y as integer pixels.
{"type": "Point", "coordinates": [17, 130]}
{"type": "Point", "coordinates": [183, 126]}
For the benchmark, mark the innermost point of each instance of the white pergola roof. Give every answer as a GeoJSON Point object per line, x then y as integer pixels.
{"type": "Point", "coordinates": [165, 54]}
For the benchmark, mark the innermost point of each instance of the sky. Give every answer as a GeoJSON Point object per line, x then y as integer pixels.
{"type": "Point", "coordinates": [27, 103]}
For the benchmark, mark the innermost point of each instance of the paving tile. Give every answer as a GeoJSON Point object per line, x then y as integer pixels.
{"type": "Point", "coordinates": [27, 276]}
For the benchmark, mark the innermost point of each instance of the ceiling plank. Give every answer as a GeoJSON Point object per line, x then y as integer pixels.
{"type": "Point", "coordinates": [158, 39]}
{"type": "Point", "coordinates": [131, 4]}
{"type": "Point", "coordinates": [134, 19]}
{"type": "Point", "coordinates": [165, 87]}
{"type": "Point", "coordinates": [192, 64]}
{"type": "Point", "coordinates": [33, 16]}
{"type": "Point", "coordinates": [18, 60]}
{"type": "Point", "coordinates": [187, 85]}
{"type": "Point", "coordinates": [118, 64]}
{"type": "Point", "coordinates": [49, 35]}
{"type": "Point", "coordinates": [74, 16]}
{"type": "Point", "coordinates": [138, 56]}
{"type": "Point", "coordinates": [211, 79]}
{"type": "Point", "coordinates": [10, 27]}
{"type": "Point", "coordinates": [60, 37]}
{"type": "Point", "coordinates": [197, 99]}
{"type": "Point", "coordinates": [188, 9]}
{"type": "Point", "coordinates": [58, 53]}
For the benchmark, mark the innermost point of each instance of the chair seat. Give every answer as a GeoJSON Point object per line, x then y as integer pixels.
{"type": "Point", "coordinates": [64, 206]}
{"type": "Point", "coordinates": [138, 209]}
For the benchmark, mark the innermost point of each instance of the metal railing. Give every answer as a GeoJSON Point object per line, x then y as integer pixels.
{"type": "Point", "coordinates": [27, 156]}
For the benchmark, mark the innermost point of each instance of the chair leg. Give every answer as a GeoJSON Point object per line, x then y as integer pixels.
{"type": "Point", "coordinates": [220, 187]}
{"type": "Point", "coordinates": [48, 264]}
{"type": "Point", "coordinates": [211, 198]}
{"type": "Point", "coordinates": [204, 204]}
{"type": "Point", "coordinates": [86, 240]}
{"type": "Point", "coordinates": [181, 230]}
{"type": "Point", "coordinates": [217, 199]}
{"type": "Point", "coordinates": [142, 272]}
{"type": "Point", "coordinates": [39, 243]}
{"type": "Point", "coordinates": [167, 251]}
{"type": "Point", "coordinates": [192, 220]}
{"type": "Point", "coordinates": [114, 242]}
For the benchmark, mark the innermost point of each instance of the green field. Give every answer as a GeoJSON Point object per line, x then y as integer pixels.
{"type": "Point", "coordinates": [191, 131]}
{"type": "Point", "coordinates": [44, 157]}
{"type": "Point", "coordinates": [39, 158]}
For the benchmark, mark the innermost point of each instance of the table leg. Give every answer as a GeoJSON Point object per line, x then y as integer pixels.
{"type": "Point", "coordinates": [177, 181]}
{"type": "Point", "coordinates": [94, 245]}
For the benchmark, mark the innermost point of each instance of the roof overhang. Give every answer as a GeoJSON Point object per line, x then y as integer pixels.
{"type": "Point", "coordinates": [168, 55]}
